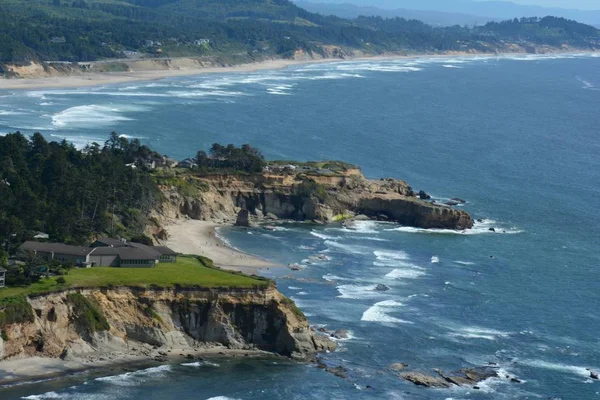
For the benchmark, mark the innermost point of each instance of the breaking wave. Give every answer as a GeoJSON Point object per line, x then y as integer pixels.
{"type": "Point", "coordinates": [479, 228]}
{"type": "Point", "coordinates": [136, 377]}
{"type": "Point", "coordinates": [93, 115]}
{"type": "Point", "coordinates": [379, 312]}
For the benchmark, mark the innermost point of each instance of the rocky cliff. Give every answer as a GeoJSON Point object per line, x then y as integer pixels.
{"type": "Point", "coordinates": [107, 324]}
{"type": "Point", "coordinates": [299, 196]}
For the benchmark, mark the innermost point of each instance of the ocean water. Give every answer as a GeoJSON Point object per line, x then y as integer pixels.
{"type": "Point", "coordinates": [517, 137]}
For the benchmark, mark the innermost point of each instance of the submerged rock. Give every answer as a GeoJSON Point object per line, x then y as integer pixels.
{"type": "Point", "coordinates": [398, 367]}
{"type": "Point", "coordinates": [420, 379]}
{"type": "Point", "coordinates": [340, 334]}
{"type": "Point", "coordinates": [423, 195]}
{"type": "Point", "coordinates": [464, 377]}
{"type": "Point", "coordinates": [458, 200]}
{"type": "Point", "coordinates": [381, 288]}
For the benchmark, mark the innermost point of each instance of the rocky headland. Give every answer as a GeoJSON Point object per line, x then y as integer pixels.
{"type": "Point", "coordinates": [109, 325]}
{"type": "Point", "coordinates": [320, 195]}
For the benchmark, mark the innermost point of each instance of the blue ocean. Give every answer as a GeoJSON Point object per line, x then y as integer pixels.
{"type": "Point", "coordinates": [517, 137]}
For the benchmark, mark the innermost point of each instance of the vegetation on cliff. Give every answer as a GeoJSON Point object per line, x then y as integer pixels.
{"type": "Point", "coordinates": [187, 272]}
{"type": "Point", "coordinates": [86, 314]}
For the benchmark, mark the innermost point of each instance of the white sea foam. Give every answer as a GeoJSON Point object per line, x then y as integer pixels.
{"type": "Point", "coordinates": [451, 66]}
{"type": "Point", "coordinates": [405, 273]}
{"type": "Point", "coordinates": [346, 247]}
{"type": "Point", "coordinates": [356, 292]}
{"type": "Point", "coordinates": [324, 236]}
{"type": "Point", "coordinates": [333, 278]}
{"type": "Point", "coordinates": [435, 259]}
{"type": "Point", "coordinates": [221, 398]}
{"type": "Point", "coordinates": [379, 312]}
{"type": "Point", "coordinates": [361, 226]}
{"type": "Point", "coordinates": [198, 364]}
{"type": "Point", "coordinates": [3, 112]}
{"type": "Point", "coordinates": [571, 369]}
{"type": "Point", "coordinates": [93, 115]}
{"type": "Point", "coordinates": [134, 378]}
{"type": "Point", "coordinates": [294, 288]}
{"type": "Point", "coordinates": [386, 255]}
{"type": "Point", "coordinates": [479, 228]}
{"type": "Point", "coordinates": [476, 332]}
{"type": "Point", "coordinates": [302, 293]}
{"type": "Point", "coordinates": [465, 262]}
{"type": "Point", "coordinates": [48, 395]}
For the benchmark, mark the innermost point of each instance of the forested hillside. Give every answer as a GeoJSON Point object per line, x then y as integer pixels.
{"type": "Point", "coordinates": [87, 30]}
{"type": "Point", "coordinates": [53, 187]}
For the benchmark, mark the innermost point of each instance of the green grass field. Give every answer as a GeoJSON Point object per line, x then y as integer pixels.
{"type": "Point", "coordinates": [187, 271]}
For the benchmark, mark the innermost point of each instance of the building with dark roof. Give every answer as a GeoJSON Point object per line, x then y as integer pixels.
{"type": "Point", "coordinates": [63, 253]}
{"type": "Point", "coordinates": [103, 252]}
{"type": "Point", "coordinates": [109, 242]}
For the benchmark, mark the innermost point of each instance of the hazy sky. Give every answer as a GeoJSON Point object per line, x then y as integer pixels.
{"type": "Point", "coordinates": [581, 4]}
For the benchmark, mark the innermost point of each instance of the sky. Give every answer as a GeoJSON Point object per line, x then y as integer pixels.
{"type": "Point", "coordinates": [576, 4]}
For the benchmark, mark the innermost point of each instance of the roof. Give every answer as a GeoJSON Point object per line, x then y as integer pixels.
{"type": "Point", "coordinates": [55, 248]}
{"type": "Point", "coordinates": [111, 242]}
{"type": "Point", "coordinates": [147, 249]}
{"type": "Point", "coordinates": [165, 251]}
{"type": "Point", "coordinates": [126, 253]}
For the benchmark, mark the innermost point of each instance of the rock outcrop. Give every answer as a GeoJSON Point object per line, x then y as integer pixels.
{"type": "Point", "coordinates": [464, 377]}
{"type": "Point", "coordinates": [144, 322]}
{"type": "Point", "coordinates": [302, 197]}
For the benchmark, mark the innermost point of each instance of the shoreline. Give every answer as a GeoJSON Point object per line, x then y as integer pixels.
{"type": "Point", "coordinates": [90, 79]}
{"type": "Point", "coordinates": [201, 238]}
{"type": "Point", "coordinates": [33, 370]}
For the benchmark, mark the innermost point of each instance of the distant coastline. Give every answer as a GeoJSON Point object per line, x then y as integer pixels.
{"type": "Point", "coordinates": [188, 67]}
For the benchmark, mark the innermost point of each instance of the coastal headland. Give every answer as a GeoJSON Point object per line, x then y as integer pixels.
{"type": "Point", "coordinates": [79, 318]}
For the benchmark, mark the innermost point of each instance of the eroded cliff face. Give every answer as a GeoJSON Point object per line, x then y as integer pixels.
{"type": "Point", "coordinates": [319, 198]}
{"type": "Point", "coordinates": [142, 322]}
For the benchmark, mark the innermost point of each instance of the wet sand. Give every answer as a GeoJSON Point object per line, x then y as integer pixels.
{"type": "Point", "coordinates": [199, 238]}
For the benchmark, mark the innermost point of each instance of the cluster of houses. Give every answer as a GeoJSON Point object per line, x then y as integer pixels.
{"type": "Point", "coordinates": [104, 252]}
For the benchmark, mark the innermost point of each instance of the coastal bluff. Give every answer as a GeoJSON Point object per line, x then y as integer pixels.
{"type": "Point", "coordinates": [120, 323]}
{"type": "Point", "coordinates": [322, 195]}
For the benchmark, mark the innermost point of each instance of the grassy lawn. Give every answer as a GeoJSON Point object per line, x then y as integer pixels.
{"type": "Point", "coordinates": [187, 271]}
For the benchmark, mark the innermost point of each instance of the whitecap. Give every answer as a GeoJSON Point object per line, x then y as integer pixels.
{"type": "Point", "coordinates": [571, 369]}
{"type": "Point", "coordinates": [221, 398]}
{"type": "Point", "coordinates": [324, 236]}
{"type": "Point", "coordinates": [464, 262]}
{"type": "Point", "coordinates": [133, 378]}
{"type": "Point", "coordinates": [356, 292]}
{"type": "Point", "coordinates": [333, 278]}
{"type": "Point", "coordinates": [346, 247]}
{"type": "Point", "coordinates": [93, 115]}
{"type": "Point", "coordinates": [405, 273]}
{"type": "Point", "coordinates": [479, 228]}
{"type": "Point", "coordinates": [361, 226]}
{"type": "Point", "coordinates": [435, 259]}
{"type": "Point", "coordinates": [379, 312]}
{"type": "Point", "coordinates": [294, 288]}
{"type": "Point", "coordinates": [200, 364]}
{"type": "Point", "coordinates": [476, 332]}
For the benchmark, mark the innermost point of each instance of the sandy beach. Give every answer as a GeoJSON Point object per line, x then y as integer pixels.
{"type": "Point", "coordinates": [105, 78]}
{"type": "Point", "coordinates": [198, 237]}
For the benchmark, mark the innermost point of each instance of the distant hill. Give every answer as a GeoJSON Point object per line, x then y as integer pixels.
{"type": "Point", "coordinates": [234, 31]}
{"type": "Point", "coordinates": [435, 18]}
{"type": "Point", "coordinates": [499, 10]}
